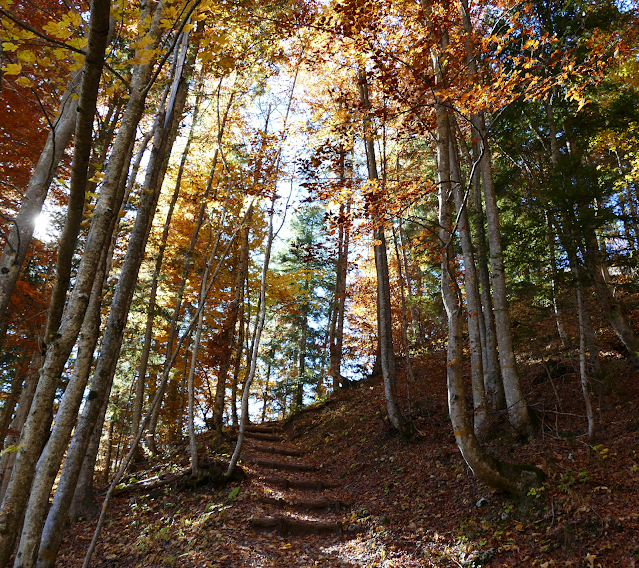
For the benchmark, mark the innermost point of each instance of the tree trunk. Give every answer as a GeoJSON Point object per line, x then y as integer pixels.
{"type": "Point", "coordinates": [410, 377]}
{"type": "Point", "coordinates": [493, 384]}
{"type": "Point", "coordinates": [24, 404]}
{"type": "Point", "coordinates": [13, 397]}
{"type": "Point", "coordinates": [148, 334]}
{"type": "Point", "coordinates": [21, 234]}
{"type": "Point", "coordinates": [259, 326]}
{"type": "Point", "coordinates": [511, 478]}
{"type": "Point", "coordinates": [299, 389]}
{"type": "Point", "coordinates": [186, 270]}
{"type": "Point", "coordinates": [336, 332]}
{"type": "Point", "coordinates": [227, 338]}
{"type": "Point", "coordinates": [385, 330]}
{"type": "Point", "coordinates": [107, 361]}
{"type": "Point", "coordinates": [583, 372]}
{"type": "Point", "coordinates": [517, 407]}
{"type": "Point", "coordinates": [53, 453]}
{"type": "Point", "coordinates": [83, 505]}
{"type": "Point", "coordinates": [472, 290]}
{"type": "Point", "coordinates": [238, 366]}
{"type": "Point", "coordinates": [87, 105]}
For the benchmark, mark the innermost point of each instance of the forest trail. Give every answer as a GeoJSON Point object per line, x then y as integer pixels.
{"type": "Point", "coordinates": [371, 499]}
{"type": "Point", "coordinates": [324, 515]}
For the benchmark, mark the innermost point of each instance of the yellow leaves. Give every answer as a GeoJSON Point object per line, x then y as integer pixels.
{"type": "Point", "coordinates": [59, 30]}
{"type": "Point", "coordinates": [531, 44]}
{"type": "Point", "coordinates": [9, 46]}
{"type": "Point", "coordinates": [12, 69]}
{"type": "Point", "coordinates": [142, 43]}
{"type": "Point", "coordinates": [227, 63]}
{"type": "Point", "coordinates": [26, 56]}
{"type": "Point", "coordinates": [143, 57]}
{"type": "Point", "coordinates": [24, 82]}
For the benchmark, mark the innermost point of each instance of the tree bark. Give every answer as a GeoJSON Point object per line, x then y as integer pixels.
{"type": "Point", "coordinates": [105, 367]}
{"type": "Point", "coordinates": [336, 331]}
{"type": "Point", "coordinates": [503, 476]}
{"type": "Point", "coordinates": [87, 105]}
{"type": "Point", "coordinates": [83, 505]}
{"type": "Point", "coordinates": [53, 453]}
{"type": "Point", "coordinates": [517, 407]}
{"type": "Point", "coordinates": [186, 270]}
{"type": "Point", "coordinates": [472, 290]}
{"type": "Point", "coordinates": [24, 404]}
{"type": "Point", "coordinates": [13, 397]}
{"type": "Point", "coordinates": [493, 383]}
{"type": "Point", "coordinates": [227, 338]}
{"type": "Point", "coordinates": [21, 234]}
{"type": "Point", "coordinates": [385, 330]}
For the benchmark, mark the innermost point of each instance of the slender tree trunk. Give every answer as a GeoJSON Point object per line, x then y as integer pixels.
{"type": "Point", "coordinates": [105, 367]}
{"type": "Point", "coordinates": [188, 263]}
{"type": "Point", "coordinates": [24, 404]}
{"type": "Point", "coordinates": [385, 330]}
{"type": "Point", "coordinates": [410, 377]}
{"type": "Point", "coordinates": [13, 396]}
{"type": "Point", "coordinates": [83, 505]}
{"type": "Point", "coordinates": [336, 332]}
{"type": "Point", "coordinates": [472, 290]}
{"type": "Point", "coordinates": [148, 334]}
{"type": "Point", "coordinates": [517, 407]}
{"type": "Point", "coordinates": [559, 317]}
{"type": "Point", "coordinates": [21, 234]}
{"type": "Point", "coordinates": [493, 384]}
{"type": "Point", "coordinates": [267, 380]}
{"type": "Point", "coordinates": [196, 473]}
{"type": "Point", "coordinates": [299, 388]}
{"type": "Point", "coordinates": [227, 338]}
{"type": "Point", "coordinates": [503, 476]}
{"type": "Point", "coordinates": [87, 105]}
{"type": "Point", "coordinates": [195, 469]}
{"type": "Point", "coordinates": [583, 372]}
{"type": "Point", "coordinates": [238, 365]}
{"type": "Point", "coordinates": [259, 326]}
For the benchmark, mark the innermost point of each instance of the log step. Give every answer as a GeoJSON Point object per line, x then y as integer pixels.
{"type": "Point", "coordinates": [258, 428]}
{"type": "Point", "coordinates": [265, 437]}
{"type": "Point", "coordinates": [285, 466]}
{"type": "Point", "coordinates": [288, 525]}
{"type": "Point", "coordinates": [301, 484]}
{"type": "Point", "coordinates": [279, 451]}
{"type": "Point", "coordinates": [308, 505]}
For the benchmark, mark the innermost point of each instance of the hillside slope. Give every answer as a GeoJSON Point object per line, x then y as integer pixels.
{"type": "Point", "coordinates": [397, 503]}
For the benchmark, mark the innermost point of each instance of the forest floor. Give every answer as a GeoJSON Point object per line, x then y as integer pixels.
{"type": "Point", "coordinates": [414, 502]}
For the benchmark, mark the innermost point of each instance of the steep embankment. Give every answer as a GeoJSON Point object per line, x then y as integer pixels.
{"type": "Point", "coordinates": [332, 487]}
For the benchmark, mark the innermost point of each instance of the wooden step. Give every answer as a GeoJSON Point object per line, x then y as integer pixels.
{"type": "Point", "coordinates": [284, 465]}
{"type": "Point", "coordinates": [301, 484]}
{"type": "Point", "coordinates": [265, 437]}
{"type": "Point", "coordinates": [259, 428]}
{"type": "Point", "coordinates": [288, 525]}
{"type": "Point", "coordinates": [308, 505]}
{"type": "Point", "coordinates": [279, 451]}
